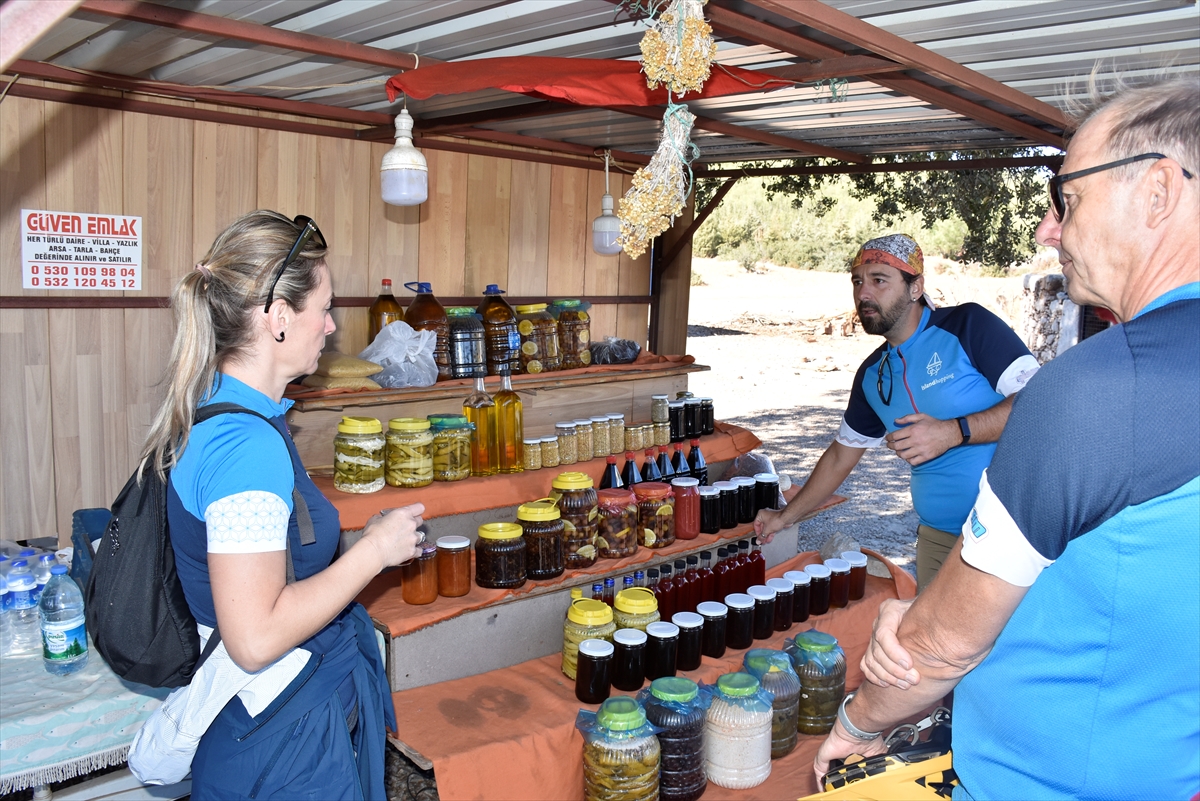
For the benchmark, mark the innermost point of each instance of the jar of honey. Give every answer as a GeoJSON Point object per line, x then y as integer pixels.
{"type": "Point", "coordinates": [453, 566]}
{"type": "Point", "coordinates": [419, 577]}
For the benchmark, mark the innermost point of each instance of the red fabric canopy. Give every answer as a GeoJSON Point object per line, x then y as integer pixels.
{"type": "Point", "coordinates": [582, 81]}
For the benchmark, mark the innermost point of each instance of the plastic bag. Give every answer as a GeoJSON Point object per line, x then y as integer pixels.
{"type": "Point", "coordinates": [406, 356]}
{"type": "Point", "coordinates": [751, 464]}
{"type": "Point", "coordinates": [759, 700]}
{"type": "Point", "coordinates": [615, 351]}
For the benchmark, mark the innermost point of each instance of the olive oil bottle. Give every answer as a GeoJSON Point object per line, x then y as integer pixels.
{"type": "Point", "coordinates": [510, 426]}
{"type": "Point", "coordinates": [480, 410]}
{"type": "Point", "coordinates": [386, 309]}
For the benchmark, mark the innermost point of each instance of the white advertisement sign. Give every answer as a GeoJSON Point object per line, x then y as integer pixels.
{"type": "Point", "coordinates": [72, 250]}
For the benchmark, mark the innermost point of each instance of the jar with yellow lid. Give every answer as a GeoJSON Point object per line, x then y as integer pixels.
{"type": "Point", "coordinates": [575, 496]}
{"type": "Point", "coordinates": [618, 523]}
{"type": "Point", "coordinates": [500, 556]}
{"type": "Point", "coordinates": [587, 619]}
{"type": "Point", "coordinates": [635, 608]}
{"type": "Point", "coordinates": [451, 446]}
{"type": "Point", "coordinates": [532, 455]}
{"type": "Point", "coordinates": [358, 455]}
{"type": "Point", "coordinates": [542, 525]}
{"type": "Point", "coordinates": [539, 339]}
{"type": "Point", "coordinates": [409, 452]}
{"type": "Point", "coordinates": [656, 514]}
{"type": "Point", "coordinates": [574, 333]}
{"type": "Point", "coordinates": [568, 442]}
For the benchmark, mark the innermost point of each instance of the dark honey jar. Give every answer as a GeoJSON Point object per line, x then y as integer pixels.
{"type": "Point", "coordinates": [858, 573]}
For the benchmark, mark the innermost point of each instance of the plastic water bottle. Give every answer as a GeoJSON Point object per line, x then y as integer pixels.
{"type": "Point", "coordinates": [64, 632]}
{"type": "Point", "coordinates": [40, 568]}
{"type": "Point", "coordinates": [23, 609]}
{"type": "Point", "coordinates": [5, 619]}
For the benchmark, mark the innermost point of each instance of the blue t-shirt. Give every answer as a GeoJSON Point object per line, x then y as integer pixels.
{"type": "Point", "coordinates": [1092, 690]}
{"type": "Point", "coordinates": [960, 360]}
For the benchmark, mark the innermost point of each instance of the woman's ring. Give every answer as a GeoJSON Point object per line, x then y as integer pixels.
{"type": "Point", "coordinates": [422, 540]}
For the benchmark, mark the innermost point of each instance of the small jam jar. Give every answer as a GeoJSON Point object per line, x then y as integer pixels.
{"type": "Point", "coordinates": [714, 614]}
{"type": "Point", "coordinates": [568, 442]}
{"type": "Point", "coordinates": [453, 566]}
{"type": "Point", "coordinates": [593, 677]}
{"type": "Point", "coordinates": [818, 589]}
{"type": "Point", "coordinates": [739, 629]}
{"type": "Point", "coordinates": [858, 573]}
{"type": "Point", "coordinates": [550, 452]}
{"type": "Point", "coordinates": [662, 648]}
{"type": "Point", "coordinates": [658, 409]}
{"type": "Point", "coordinates": [691, 639]}
{"type": "Point", "coordinates": [629, 659]}
{"type": "Point", "coordinates": [616, 433]}
{"type": "Point", "coordinates": [766, 490]}
{"type": "Point", "coordinates": [710, 510]}
{"type": "Point", "coordinates": [600, 445]}
{"type": "Point", "coordinates": [500, 556]}
{"type": "Point", "coordinates": [584, 442]}
{"type": "Point", "coordinates": [839, 582]}
{"type": "Point", "coordinates": [419, 577]}
{"type": "Point", "coordinates": [747, 508]}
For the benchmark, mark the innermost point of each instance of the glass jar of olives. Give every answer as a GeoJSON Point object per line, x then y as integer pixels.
{"type": "Point", "coordinates": [500, 556]}
{"type": "Point", "coordinates": [575, 495]}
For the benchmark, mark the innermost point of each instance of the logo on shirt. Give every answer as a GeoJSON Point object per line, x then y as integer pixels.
{"type": "Point", "coordinates": [977, 529]}
{"type": "Point", "coordinates": [934, 365]}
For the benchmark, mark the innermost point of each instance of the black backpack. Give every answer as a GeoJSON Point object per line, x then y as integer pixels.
{"type": "Point", "coordinates": [137, 615]}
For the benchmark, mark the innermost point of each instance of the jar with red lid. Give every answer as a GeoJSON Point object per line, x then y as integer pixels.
{"type": "Point", "coordinates": [618, 523]}
{"type": "Point", "coordinates": [419, 577]}
{"type": "Point", "coordinates": [656, 514]}
{"type": "Point", "coordinates": [687, 507]}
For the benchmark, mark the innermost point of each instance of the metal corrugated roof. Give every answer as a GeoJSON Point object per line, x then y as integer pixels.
{"type": "Point", "coordinates": [1040, 47]}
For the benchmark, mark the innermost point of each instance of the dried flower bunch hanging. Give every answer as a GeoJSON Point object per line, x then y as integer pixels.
{"type": "Point", "coordinates": [678, 49]}
{"type": "Point", "coordinates": [660, 189]}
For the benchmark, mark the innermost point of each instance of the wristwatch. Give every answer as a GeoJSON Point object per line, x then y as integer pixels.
{"type": "Point", "coordinates": [965, 429]}
{"type": "Point", "coordinates": [850, 728]}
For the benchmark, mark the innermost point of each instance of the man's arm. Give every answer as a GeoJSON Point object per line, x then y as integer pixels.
{"type": "Point", "coordinates": [925, 438]}
{"type": "Point", "coordinates": [831, 470]}
{"type": "Point", "coordinates": [948, 631]}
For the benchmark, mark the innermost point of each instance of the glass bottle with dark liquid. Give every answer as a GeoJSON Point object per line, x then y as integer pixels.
{"type": "Point", "coordinates": [611, 478]}
{"type": "Point", "coordinates": [664, 592]}
{"type": "Point", "coordinates": [510, 427]}
{"type": "Point", "coordinates": [664, 464]}
{"type": "Point", "coordinates": [502, 342]}
{"type": "Point", "coordinates": [650, 471]}
{"type": "Point", "coordinates": [630, 474]}
{"type": "Point", "coordinates": [818, 589]}
{"type": "Point", "coordinates": [839, 583]}
{"type": "Point", "coordinates": [708, 581]}
{"type": "Point", "coordinates": [425, 313]}
{"type": "Point", "coordinates": [695, 591]}
{"type": "Point", "coordinates": [386, 309]}
{"type": "Point", "coordinates": [758, 563]}
{"type": "Point", "coordinates": [593, 676]}
{"type": "Point", "coordinates": [683, 587]}
{"type": "Point", "coordinates": [679, 462]}
{"type": "Point", "coordinates": [697, 466]}
{"type": "Point", "coordinates": [721, 573]}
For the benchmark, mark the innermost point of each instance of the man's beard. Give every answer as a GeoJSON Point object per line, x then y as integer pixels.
{"type": "Point", "coordinates": [885, 319]}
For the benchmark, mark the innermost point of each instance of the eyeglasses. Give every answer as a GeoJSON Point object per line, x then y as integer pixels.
{"type": "Point", "coordinates": [1059, 204]}
{"type": "Point", "coordinates": [309, 231]}
{"type": "Point", "coordinates": [885, 361]}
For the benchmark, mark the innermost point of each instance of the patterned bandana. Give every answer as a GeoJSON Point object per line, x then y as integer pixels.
{"type": "Point", "coordinates": [895, 250]}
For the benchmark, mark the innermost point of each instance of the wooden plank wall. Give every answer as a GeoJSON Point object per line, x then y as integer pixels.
{"type": "Point", "coordinates": [78, 387]}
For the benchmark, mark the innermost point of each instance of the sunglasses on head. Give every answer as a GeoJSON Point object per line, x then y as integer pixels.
{"type": "Point", "coordinates": [1058, 203]}
{"type": "Point", "coordinates": [307, 232]}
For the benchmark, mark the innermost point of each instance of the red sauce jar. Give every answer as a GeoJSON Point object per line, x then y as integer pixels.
{"type": "Point", "coordinates": [687, 508]}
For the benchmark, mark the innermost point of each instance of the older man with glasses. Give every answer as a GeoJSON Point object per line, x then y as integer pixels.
{"type": "Point", "coordinates": [1068, 618]}
{"type": "Point", "coordinates": [937, 392]}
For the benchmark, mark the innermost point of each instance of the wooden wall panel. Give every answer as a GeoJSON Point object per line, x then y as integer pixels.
{"type": "Point", "coordinates": [489, 191]}
{"type": "Point", "coordinates": [676, 289]}
{"type": "Point", "coordinates": [150, 332]}
{"type": "Point", "coordinates": [342, 211]}
{"type": "Point", "coordinates": [633, 320]}
{"type": "Point", "coordinates": [529, 229]}
{"type": "Point", "coordinates": [22, 182]}
{"type": "Point", "coordinates": [224, 185]}
{"type": "Point", "coordinates": [158, 163]}
{"type": "Point", "coordinates": [444, 224]}
{"type": "Point", "coordinates": [26, 426]}
{"type": "Point", "coordinates": [287, 173]}
{"type": "Point", "coordinates": [602, 273]}
{"type": "Point", "coordinates": [570, 230]}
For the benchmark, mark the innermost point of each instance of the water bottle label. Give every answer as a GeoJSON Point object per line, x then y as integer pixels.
{"type": "Point", "coordinates": [23, 599]}
{"type": "Point", "coordinates": [514, 340]}
{"type": "Point", "coordinates": [65, 640]}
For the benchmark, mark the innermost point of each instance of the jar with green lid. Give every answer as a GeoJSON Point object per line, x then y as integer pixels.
{"type": "Point", "coordinates": [675, 705]}
{"type": "Point", "coordinates": [821, 665]}
{"type": "Point", "coordinates": [549, 451]}
{"type": "Point", "coordinates": [616, 433]}
{"type": "Point", "coordinates": [774, 671]}
{"type": "Point", "coordinates": [574, 333]}
{"type": "Point", "coordinates": [358, 455]}
{"type": "Point", "coordinates": [468, 357]}
{"type": "Point", "coordinates": [451, 446]}
{"type": "Point", "coordinates": [737, 733]}
{"type": "Point", "coordinates": [532, 455]}
{"type": "Point", "coordinates": [542, 525]}
{"type": "Point", "coordinates": [539, 339]}
{"type": "Point", "coordinates": [575, 496]}
{"type": "Point", "coordinates": [568, 442]}
{"type": "Point", "coordinates": [583, 440]}
{"type": "Point", "coordinates": [409, 452]}
{"type": "Point", "coordinates": [587, 619]}
{"type": "Point", "coordinates": [635, 608]}
{"type": "Point", "coordinates": [621, 755]}
{"type": "Point", "coordinates": [500, 556]}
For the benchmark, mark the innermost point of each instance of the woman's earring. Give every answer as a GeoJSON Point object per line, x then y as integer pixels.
{"type": "Point", "coordinates": [282, 334]}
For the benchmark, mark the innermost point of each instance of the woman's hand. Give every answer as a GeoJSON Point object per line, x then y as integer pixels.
{"type": "Point", "coordinates": [886, 663]}
{"type": "Point", "coordinates": [394, 534]}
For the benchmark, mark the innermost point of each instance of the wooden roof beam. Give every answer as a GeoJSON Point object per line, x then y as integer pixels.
{"type": "Point", "coordinates": [520, 140]}
{"type": "Point", "coordinates": [453, 122]}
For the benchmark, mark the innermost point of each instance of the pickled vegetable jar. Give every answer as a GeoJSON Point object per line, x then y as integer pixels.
{"type": "Point", "coordinates": [358, 455]}
{"type": "Point", "coordinates": [574, 334]}
{"type": "Point", "coordinates": [774, 671]}
{"type": "Point", "coordinates": [500, 556]}
{"type": "Point", "coordinates": [539, 339]}
{"type": "Point", "coordinates": [587, 619]}
{"type": "Point", "coordinates": [737, 733]}
{"type": "Point", "coordinates": [409, 452]}
{"type": "Point", "coordinates": [451, 446]}
{"type": "Point", "coordinates": [542, 525]}
{"type": "Point", "coordinates": [620, 754]}
{"type": "Point", "coordinates": [635, 608]}
{"type": "Point", "coordinates": [673, 704]}
{"type": "Point", "coordinates": [618, 523]}
{"type": "Point", "coordinates": [821, 665]}
{"type": "Point", "coordinates": [576, 499]}
{"type": "Point", "coordinates": [656, 514]}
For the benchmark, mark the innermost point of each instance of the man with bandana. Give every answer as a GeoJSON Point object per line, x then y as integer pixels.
{"type": "Point", "coordinates": [937, 392]}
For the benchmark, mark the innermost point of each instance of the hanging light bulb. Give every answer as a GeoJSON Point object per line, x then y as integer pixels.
{"type": "Point", "coordinates": [607, 227]}
{"type": "Point", "coordinates": [403, 175]}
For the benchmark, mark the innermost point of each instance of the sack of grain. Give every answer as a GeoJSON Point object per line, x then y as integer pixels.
{"type": "Point", "coordinates": [339, 365]}
{"type": "Point", "coordinates": [349, 382]}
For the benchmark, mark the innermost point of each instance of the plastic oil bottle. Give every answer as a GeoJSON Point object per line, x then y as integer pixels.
{"type": "Point", "coordinates": [480, 410]}
{"type": "Point", "coordinates": [510, 427]}
{"type": "Point", "coordinates": [425, 313]}
{"type": "Point", "coordinates": [386, 309]}
{"type": "Point", "coordinates": [503, 342]}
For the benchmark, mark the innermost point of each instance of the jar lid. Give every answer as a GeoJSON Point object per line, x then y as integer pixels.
{"type": "Point", "coordinates": [530, 308]}
{"type": "Point", "coordinates": [453, 543]}
{"type": "Point", "coordinates": [674, 688]}
{"type": "Point", "coordinates": [742, 481]}
{"type": "Point", "coordinates": [572, 480]}
{"type": "Point", "coordinates": [544, 440]}
{"type": "Point", "coordinates": [780, 585]}
{"type": "Point", "coordinates": [725, 486]}
{"type": "Point", "coordinates": [621, 713]}
{"type": "Point", "coordinates": [538, 511]}
{"type": "Point", "coordinates": [597, 649]}
{"type": "Point", "coordinates": [685, 482]}
{"type": "Point", "coordinates": [691, 401]}
{"type": "Point", "coordinates": [675, 404]}
{"type": "Point", "coordinates": [583, 421]}
{"type": "Point", "coordinates": [739, 600]}
{"type": "Point", "coordinates": [738, 685]}
{"type": "Point", "coordinates": [408, 424]}
{"type": "Point", "coordinates": [651, 490]}
{"type": "Point", "coordinates": [817, 571]}
{"type": "Point", "coordinates": [760, 592]}
{"type": "Point", "coordinates": [459, 311]}
{"type": "Point", "coordinates": [633, 637]}
{"type": "Point", "coordinates": [428, 549]}
{"type": "Point", "coordinates": [590, 612]}
{"type": "Point", "coordinates": [813, 640]}
{"type": "Point", "coordinates": [707, 491]}
{"type": "Point", "coordinates": [712, 609]}
{"type": "Point", "coordinates": [837, 565]}
{"type": "Point", "coordinates": [706, 400]}
{"type": "Point", "coordinates": [662, 630]}
{"type": "Point", "coordinates": [658, 397]}
{"type": "Point", "coordinates": [568, 303]}
{"type": "Point", "coordinates": [615, 497]}
{"type": "Point", "coordinates": [759, 661]}
{"type": "Point", "coordinates": [687, 620]}
{"type": "Point", "coordinates": [766, 478]}
{"type": "Point", "coordinates": [499, 531]}
{"type": "Point", "coordinates": [600, 418]}
{"type": "Point", "coordinates": [566, 424]}
{"type": "Point", "coordinates": [636, 601]}
{"type": "Point", "coordinates": [534, 441]}
{"type": "Point", "coordinates": [855, 558]}
{"type": "Point", "coordinates": [441, 422]}
{"type": "Point", "coordinates": [797, 577]}
{"type": "Point", "coordinates": [616, 416]}
{"type": "Point", "coordinates": [360, 425]}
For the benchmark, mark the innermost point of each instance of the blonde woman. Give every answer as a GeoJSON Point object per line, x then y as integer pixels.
{"type": "Point", "coordinates": [312, 700]}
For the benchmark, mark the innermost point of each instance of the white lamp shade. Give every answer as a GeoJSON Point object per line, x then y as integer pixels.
{"type": "Point", "coordinates": [404, 187]}
{"type": "Point", "coordinates": [605, 229]}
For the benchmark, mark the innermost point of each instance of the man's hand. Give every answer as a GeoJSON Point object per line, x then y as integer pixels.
{"type": "Point", "coordinates": [839, 745]}
{"type": "Point", "coordinates": [885, 662]}
{"type": "Point", "coordinates": [923, 438]}
{"type": "Point", "coordinates": [767, 523]}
